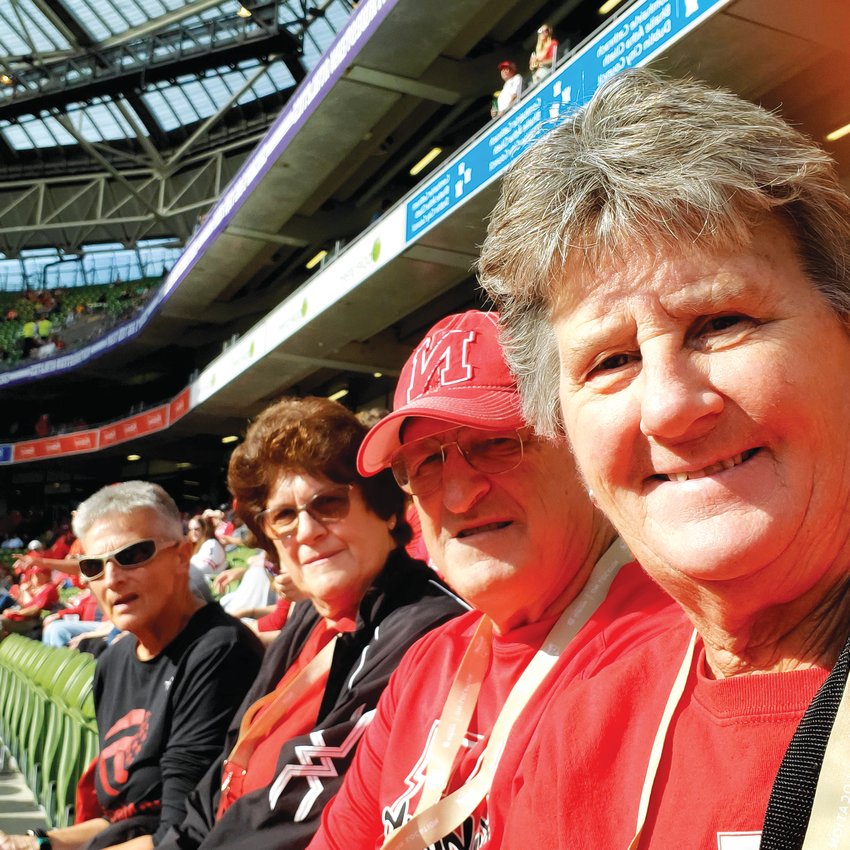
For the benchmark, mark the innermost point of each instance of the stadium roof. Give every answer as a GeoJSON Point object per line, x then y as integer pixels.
{"type": "Point", "coordinates": [136, 100]}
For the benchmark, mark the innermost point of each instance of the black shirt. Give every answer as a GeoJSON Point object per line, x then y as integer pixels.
{"type": "Point", "coordinates": [162, 722]}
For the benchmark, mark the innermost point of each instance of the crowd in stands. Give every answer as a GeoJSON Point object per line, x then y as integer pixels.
{"type": "Point", "coordinates": [532, 684]}
{"type": "Point", "coordinates": [36, 324]}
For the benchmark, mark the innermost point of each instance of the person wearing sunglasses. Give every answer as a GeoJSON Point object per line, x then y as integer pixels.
{"type": "Point", "coordinates": [165, 693]}
{"type": "Point", "coordinates": [341, 539]}
{"type": "Point", "coordinates": [511, 528]}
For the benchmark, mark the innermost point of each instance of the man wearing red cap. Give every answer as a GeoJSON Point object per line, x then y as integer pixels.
{"type": "Point", "coordinates": [508, 97]}
{"type": "Point", "coordinates": [513, 531]}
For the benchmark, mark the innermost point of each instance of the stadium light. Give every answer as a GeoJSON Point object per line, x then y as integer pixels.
{"type": "Point", "coordinates": [7, 80]}
{"type": "Point", "coordinates": [426, 160]}
{"type": "Point", "coordinates": [231, 438]}
{"type": "Point", "coordinates": [242, 12]}
{"type": "Point", "coordinates": [608, 5]}
{"type": "Point", "coordinates": [377, 374]}
{"type": "Point", "coordinates": [338, 394]}
{"type": "Point", "coordinates": [134, 457]}
{"type": "Point", "coordinates": [840, 133]}
{"type": "Point", "coordinates": [317, 259]}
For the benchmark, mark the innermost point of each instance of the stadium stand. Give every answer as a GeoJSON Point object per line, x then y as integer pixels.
{"type": "Point", "coordinates": [229, 321]}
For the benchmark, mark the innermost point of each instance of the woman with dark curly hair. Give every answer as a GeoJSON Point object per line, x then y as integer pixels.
{"type": "Point", "coordinates": [341, 538]}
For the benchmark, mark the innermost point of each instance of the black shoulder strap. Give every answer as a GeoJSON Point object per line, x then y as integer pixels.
{"type": "Point", "coordinates": [790, 804]}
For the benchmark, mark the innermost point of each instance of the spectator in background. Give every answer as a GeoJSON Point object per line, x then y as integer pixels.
{"type": "Point", "coordinates": [267, 621]}
{"type": "Point", "coordinates": [60, 548]}
{"type": "Point", "coordinates": [208, 554]}
{"type": "Point", "coordinates": [37, 594]}
{"type": "Point", "coordinates": [11, 591]}
{"type": "Point", "coordinates": [45, 328]}
{"type": "Point", "coordinates": [509, 96]}
{"type": "Point", "coordinates": [234, 534]}
{"type": "Point", "coordinates": [29, 337]}
{"type": "Point", "coordinates": [545, 53]}
{"type": "Point", "coordinates": [72, 621]}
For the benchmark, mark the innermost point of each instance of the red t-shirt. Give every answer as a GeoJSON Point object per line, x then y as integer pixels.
{"type": "Point", "coordinates": [385, 781]}
{"type": "Point", "coordinates": [86, 608]}
{"type": "Point", "coordinates": [60, 548]}
{"type": "Point", "coordinates": [580, 782]}
{"type": "Point", "coordinates": [44, 598]}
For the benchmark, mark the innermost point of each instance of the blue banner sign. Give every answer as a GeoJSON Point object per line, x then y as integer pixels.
{"type": "Point", "coordinates": [5, 453]}
{"type": "Point", "coordinates": [630, 41]}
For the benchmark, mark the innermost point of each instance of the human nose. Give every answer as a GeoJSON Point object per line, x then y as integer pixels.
{"type": "Point", "coordinates": [112, 573]}
{"type": "Point", "coordinates": [678, 400]}
{"type": "Point", "coordinates": [308, 527]}
{"type": "Point", "coordinates": [463, 485]}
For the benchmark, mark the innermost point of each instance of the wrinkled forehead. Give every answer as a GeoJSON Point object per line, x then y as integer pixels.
{"type": "Point", "coordinates": [588, 258]}
{"type": "Point", "coordinates": [112, 530]}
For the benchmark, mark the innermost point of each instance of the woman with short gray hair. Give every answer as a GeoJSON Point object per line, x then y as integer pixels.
{"type": "Point", "coordinates": [688, 284]}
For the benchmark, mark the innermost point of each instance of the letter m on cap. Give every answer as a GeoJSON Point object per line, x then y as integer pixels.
{"type": "Point", "coordinates": [441, 362]}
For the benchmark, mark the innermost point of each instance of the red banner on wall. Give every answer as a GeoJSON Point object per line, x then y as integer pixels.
{"type": "Point", "coordinates": [155, 419]}
{"type": "Point", "coordinates": [148, 422]}
{"type": "Point", "coordinates": [65, 444]}
{"type": "Point", "coordinates": [179, 406]}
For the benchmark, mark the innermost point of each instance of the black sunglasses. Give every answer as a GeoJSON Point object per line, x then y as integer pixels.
{"type": "Point", "coordinates": [127, 557]}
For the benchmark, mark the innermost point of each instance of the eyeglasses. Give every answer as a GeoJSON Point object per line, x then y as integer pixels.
{"type": "Point", "coordinates": [127, 557]}
{"type": "Point", "coordinates": [325, 506]}
{"type": "Point", "coordinates": [418, 465]}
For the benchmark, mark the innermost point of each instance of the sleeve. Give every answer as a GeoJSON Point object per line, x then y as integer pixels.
{"type": "Point", "coordinates": [204, 558]}
{"type": "Point", "coordinates": [200, 813]}
{"type": "Point", "coordinates": [277, 619]}
{"type": "Point", "coordinates": [353, 817]}
{"type": "Point", "coordinates": [215, 680]}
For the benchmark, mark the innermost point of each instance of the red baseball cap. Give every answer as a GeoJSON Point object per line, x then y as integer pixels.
{"type": "Point", "coordinates": [457, 373]}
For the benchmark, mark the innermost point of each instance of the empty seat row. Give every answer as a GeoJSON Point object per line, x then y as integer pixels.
{"type": "Point", "coordinates": [47, 719]}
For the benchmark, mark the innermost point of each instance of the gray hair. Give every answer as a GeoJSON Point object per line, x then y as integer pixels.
{"type": "Point", "coordinates": [650, 161]}
{"type": "Point", "coordinates": [127, 498]}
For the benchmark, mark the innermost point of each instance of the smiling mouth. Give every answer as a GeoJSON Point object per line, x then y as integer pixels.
{"type": "Point", "coordinates": [318, 559]}
{"type": "Point", "coordinates": [480, 529]}
{"type": "Point", "coordinates": [720, 466]}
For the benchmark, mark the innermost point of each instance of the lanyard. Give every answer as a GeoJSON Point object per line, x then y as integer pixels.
{"type": "Point", "coordinates": [279, 702]}
{"type": "Point", "coordinates": [661, 735]}
{"type": "Point", "coordinates": [437, 817]}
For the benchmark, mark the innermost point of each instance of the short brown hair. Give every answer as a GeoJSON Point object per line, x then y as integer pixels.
{"type": "Point", "coordinates": [313, 436]}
